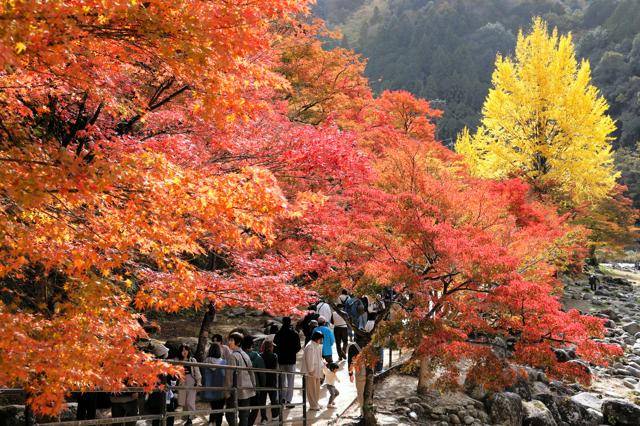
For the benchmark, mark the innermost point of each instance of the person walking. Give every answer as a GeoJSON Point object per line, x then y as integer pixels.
{"type": "Point", "coordinates": [593, 282]}
{"type": "Point", "coordinates": [246, 381]}
{"type": "Point", "coordinates": [214, 377]}
{"type": "Point", "coordinates": [87, 403]}
{"type": "Point", "coordinates": [287, 346]}
{"type": "Point", "coordinates": [329, 338]}
{"type": "Point", "coordinates": [192, 378]}
{"type": "Point", "coordinates": [306, 325]}
{"type": "Point", "coordinates": [256, 360]}
{"type": "Point", "coordinates": [330, 379]}
{"type": "Point", "coordinates": [124, 404]}
{"type": "Point", "coordinates": [342, 299]}
{"type": "Point", "coordinates": [161, 401]}
{"type": "Point", "coordinates": [227, 355]}
{"type": "Point", "coordinates": [341, 334]}
{"type": "Point", "coordinates": [357, 373]}
{"type": "Point", "coordinates": [271, 381]}
{"type": "Point", "coordinates": [312, 366]}
{"type": "Point", "coordinates": [324, 310]}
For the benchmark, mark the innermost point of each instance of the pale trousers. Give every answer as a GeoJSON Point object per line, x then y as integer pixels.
{"type": "Point", "coordinates": [187, 398]}
{"type": "Point", "coordinates": [287, 381]}
{"type": "Point", "coordinates": [313, 392]}
{"type": "Point", "coordinates": [361, 380]}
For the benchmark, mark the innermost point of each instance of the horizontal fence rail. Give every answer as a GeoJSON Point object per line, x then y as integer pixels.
{"type": "Point", "coordinates": [164, 415]}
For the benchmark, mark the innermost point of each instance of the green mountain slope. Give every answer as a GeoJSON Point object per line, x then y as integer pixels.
{"type": "Point", "coordinates": [444, 50]}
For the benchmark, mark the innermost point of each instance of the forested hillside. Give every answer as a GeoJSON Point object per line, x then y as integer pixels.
{"type": "Point", "coordinates": [444, 50]}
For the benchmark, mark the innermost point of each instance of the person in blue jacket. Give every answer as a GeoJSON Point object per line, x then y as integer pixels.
{"type": "Point", "coordinates": [329, 339]}
{"type": "Point", "coordinates": [214, 377]}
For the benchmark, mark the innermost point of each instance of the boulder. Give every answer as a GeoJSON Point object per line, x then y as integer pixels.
{"type": "Point", "coordinates": [155, 347]}
{"type": "Point", "coordinates": [596, 416]}
{"type": "Point", "coordinates": [549, 401]}
{"type": "Point", "coordinates": [588, 400]}
{"type": "Point", "coordinates": [631, 328]}
{"type": "Point", "coordinates": [575, 414]}
{"type": "Point", "coordinates": [539, 387]}
{"type": "Point", "coordinates": [537, 414]}
{"type": "Point", "coordinates": [506, 409]}
{"type": "Point", "coordinates": [635, 372]}
{"type": "Point", "coordinates": [417, 408]}
{"type": "Point", "coordinates": [521, 387]}
{"type": "Point", "coordinates": [621, 413]}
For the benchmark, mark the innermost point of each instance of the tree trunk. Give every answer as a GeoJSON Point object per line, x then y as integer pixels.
{"type": "Point", "coordinates": [424, 376]}
{"type": "Point", "coordinates": [205, 331]}
{"type": "Point", "coordinates": [368, 411]}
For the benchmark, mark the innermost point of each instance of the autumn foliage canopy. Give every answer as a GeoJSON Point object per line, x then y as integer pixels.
{"type": "Point", "coordinates": [158, 155]}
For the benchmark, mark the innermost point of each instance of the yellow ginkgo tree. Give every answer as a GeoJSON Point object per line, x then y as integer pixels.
{"type": "Point", "coordinates": [544, 121]}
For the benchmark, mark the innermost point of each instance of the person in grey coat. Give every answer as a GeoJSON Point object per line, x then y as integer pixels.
{"type": "Point", "coordinates": [246, 381]}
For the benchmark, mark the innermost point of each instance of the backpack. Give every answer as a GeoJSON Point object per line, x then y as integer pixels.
{"type": "Point", "coordinates": [351, 307]}
{"type": "Point", "coordinates": [213, 377]}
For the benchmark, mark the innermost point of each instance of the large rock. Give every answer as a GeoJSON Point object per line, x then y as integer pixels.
{"type": "Point", "coordinates": [521, 387]}
{"type": "Point", "coordinates": [549, 401]}
{"type": "Point", "coordinates": [621, 413]}
{"type": "Point", "coordinates": [588, 400]}
{"type": "Point", "coordinates": [575, 414]}
{"type": "Point", "coordinates": [154, 347]}
{"type": "Point", "coordinates": [537, 414]}
{"type": "Point", "coordinates": [506, 409]}
{"type": "Point", "coordinates": [610, 313]}
{"type": "Point", "coordinates": [631, 328]}
{"type": "Point", "coordinates": [538, 388]}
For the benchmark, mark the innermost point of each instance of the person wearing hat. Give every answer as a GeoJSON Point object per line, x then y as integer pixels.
{"type": "Point", "coordinates": [329, 338]}
{"type": "Point", "coordinates": [287, 342]}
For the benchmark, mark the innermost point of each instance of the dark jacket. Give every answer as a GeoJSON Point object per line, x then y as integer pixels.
{"type": "Point", "coordinates": [257, 362]}
{"type": "Point", "coordinates": [287, 344]}
{"type": "Point", "coordinates": [270, 362]}
{"type": "Point", "coordinates": [305, 324]}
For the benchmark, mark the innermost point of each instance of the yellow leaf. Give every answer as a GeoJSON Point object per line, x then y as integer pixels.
{"type": "Point", "coordinates": [20, 47]}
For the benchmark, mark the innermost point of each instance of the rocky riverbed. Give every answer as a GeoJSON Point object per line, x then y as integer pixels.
{"type": "Point", "coordinates": [611, 399]}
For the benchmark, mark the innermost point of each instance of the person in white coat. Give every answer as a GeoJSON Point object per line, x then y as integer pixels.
{"type": "Point", "coordinates": [312, 365]}
{"type": "Point", "coordinates": [324, 310]}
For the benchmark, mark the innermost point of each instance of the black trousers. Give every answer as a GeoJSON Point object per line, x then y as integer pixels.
{"type": "Point", "coordinates": [87, 406]}
{"type": "Point", "coordinates": [124, 409]}
{"type": "Point", "coordinates": [216, 418]}
{"type": "Point", "coordinates": [259, 399]}
{"type": "Point", "coordinates": [342, 340]}
{"type": "Point", "coordinates": [273, 398]}
{"type": "Point", "coordinates": [171, 407]}
{"type": "Point", "coordinates": [229, 415]}
{"type": "Point", "coordinates": [244, 414]}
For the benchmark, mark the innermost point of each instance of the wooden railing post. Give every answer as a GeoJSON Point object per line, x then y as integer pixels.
{"type": "Point", "coordinates": [282, 405]}
{"type": "Point", "coordinates": [163, 422]}
{"type": "Point", "coordinates": [304, 400]}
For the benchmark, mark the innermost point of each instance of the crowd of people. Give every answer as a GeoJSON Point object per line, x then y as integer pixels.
{"type": "Point", "coordinates": [323, 327]}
